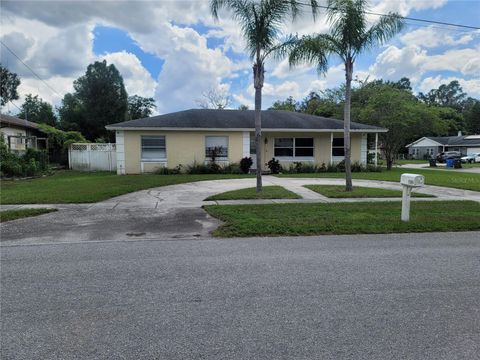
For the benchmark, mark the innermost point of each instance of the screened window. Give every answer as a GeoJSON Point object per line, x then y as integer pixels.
{"type": "Point", "coordinates": [338, 147]}
{"type": "Point", "coordinates": [293, 147]}
{"type": "Point", "coordinates": [153, 148]}
{"type": "Point", "coordinates": [216, 146]}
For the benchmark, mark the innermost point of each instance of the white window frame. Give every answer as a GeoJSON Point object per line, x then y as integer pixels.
{"type": "Point", "coordinates": [220, 158]}
{"type": "Point", "coordinates": [338, 147]}
{"type": "Point", "coordinates": [294, 147]}
{"type": "Point", "coordinates": [153, 137]}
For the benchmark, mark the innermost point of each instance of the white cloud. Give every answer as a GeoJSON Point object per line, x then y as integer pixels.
{"type": "Point", "coordinates": [433, 36]}
{"type": "Point", "coordinates": [136, 78]}
{"type": "Point", "coordinates": [394, 63]}
{"type": "Point", "coordinates": [472, 86]}
{"type": "Point", "coordinates": [404, 7]}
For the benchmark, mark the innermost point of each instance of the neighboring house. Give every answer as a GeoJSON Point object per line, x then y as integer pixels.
{"type": "Point", "coordinates": [431, 146]}
{"type": "Point", "coordinates": [190, 136]}
{"type": "Point", "coordinates": [20, 134]}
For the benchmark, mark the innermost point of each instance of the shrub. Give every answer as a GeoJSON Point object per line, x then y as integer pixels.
{"type": "Point", "coordinates": [32, 163]}
{"type": "Point", "coordinates": [245, 164]}
{"type": "Point", "coordinates": [340, 166]}
{"type": "Point", "coordinates": [274, 166]}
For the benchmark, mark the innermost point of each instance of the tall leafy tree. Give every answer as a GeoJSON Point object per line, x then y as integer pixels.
{"type": "Point", "coordinates": [99, 99]}
{"type": "Point", "coordinates": [398, 110]}
{"type": "Point", "coordinates": [140, 107]}
{"type": "Point", "coordinates": [472, 115]}
{"type": "Point", "coordinates": [9, 83]}
{"type": "Point", "coordinates": [260, 23]}
{"type": "Point", "coordinates": [288, 105]}
{"type": "Point", "coordinates": [36, 110]}
{"type": "Point", "coordinates": [71, 113]}
{"type": "Point", "coordinates": [451, 95]}
{"type": "Point", "coordinates": [349, 36]}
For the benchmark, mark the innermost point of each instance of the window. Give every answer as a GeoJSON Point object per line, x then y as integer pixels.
{"type": "Point", "coordinates": [216, 146]}
{"type": "Point", "coordinates": [338, 148]}
{"type": "Point", "coordinates": [293, 147]}
{"type": "Point", "coordinates": [253, 146]}
{"type": "Point", "coordinates": [153, 148]}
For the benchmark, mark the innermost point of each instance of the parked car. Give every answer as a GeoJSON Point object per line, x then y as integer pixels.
{"type": "Point", "coordinates": [447, 155]}
{"type": "Point", "coordinates": [471, 158]}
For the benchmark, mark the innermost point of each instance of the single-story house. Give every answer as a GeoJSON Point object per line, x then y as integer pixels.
{"type": "Point", "coordinates": [430, 146]}
{"type": "Point", "coordinates": [20, 134]}
{"type": "Point", "coordinates": [189, 136]}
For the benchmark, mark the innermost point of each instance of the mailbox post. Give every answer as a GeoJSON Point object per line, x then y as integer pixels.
{"type": "Point", "coordinates": [409, 181]}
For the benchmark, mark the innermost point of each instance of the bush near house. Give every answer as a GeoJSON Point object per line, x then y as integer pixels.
{"type": "Point", "coordinates": [32, 163]}
{"type": "Point", "coordinates": [306, 168]}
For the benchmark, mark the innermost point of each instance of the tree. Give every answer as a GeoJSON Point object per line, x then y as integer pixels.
{"type": "Point", "coordinates": [472, 116]}
{"type": "Point", "coordinates": [450, 95]}
{"type": "Point", "coordinates": [260, 23]}
{"type": "Point", "coordinates": [288, 105]}
{"type": "Point", "coordinates": [99, 99]}
{"type": "Point", "coordinates": [214, 99]}
{"type": "Point", "coordinates": [348, 37]}
{"type": "Point", "coordinates": [71, 113]}
{"type": "Point", "coordinates": [140, 107]}
{"type": "Point", "coordinates": [36, 110]}
{"type": "Point", "coordinates": [243, 107]}
{"type": "Point", "coordinates": [387, 106]}
{"type": "Point", "coordinates": [9, 83]}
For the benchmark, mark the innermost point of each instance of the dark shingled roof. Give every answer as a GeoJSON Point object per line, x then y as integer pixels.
{"type": "Point", "coordinates": [239, 119]}
{"type": "Point", "coordinates": [15, 121]}
{"type": "Point", "coordinates": [468, 140]}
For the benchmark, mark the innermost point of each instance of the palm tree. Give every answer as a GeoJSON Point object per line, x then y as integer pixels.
{"type": "Point", "coordinates": [349, 36]}
{"type": "Point", "coordinates": [261, 22]}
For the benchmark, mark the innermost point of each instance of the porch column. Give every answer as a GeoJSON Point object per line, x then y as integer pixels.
{"type": "Point", "coordinates": [376, 149]}
{"type": "Point", "coordinates": [331, 144]}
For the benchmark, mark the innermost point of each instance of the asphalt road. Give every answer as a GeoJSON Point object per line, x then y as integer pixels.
{"type": "Point", "coordinates": [411, 296]}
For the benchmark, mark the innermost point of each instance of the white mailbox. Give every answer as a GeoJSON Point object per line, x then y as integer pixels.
{"type": "Point", "coordinates": [409, 181]}
{"type": "Point", "coordinates": [413, 180]}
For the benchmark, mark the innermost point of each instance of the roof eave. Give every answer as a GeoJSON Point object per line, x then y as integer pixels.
{"type": "Point", "coordinates": [109, 127]}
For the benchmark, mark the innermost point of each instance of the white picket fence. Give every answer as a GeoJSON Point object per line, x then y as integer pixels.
{"type": "Point", "coordinates": [92, 157]}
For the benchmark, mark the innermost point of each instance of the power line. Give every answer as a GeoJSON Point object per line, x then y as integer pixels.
{"type": "Point", "coordinates": [29, 68]}
{"type": "Point", "coordinates": [408, 18]}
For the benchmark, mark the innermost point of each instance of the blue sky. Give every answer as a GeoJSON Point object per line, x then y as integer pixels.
{"type": "Point", "coordinates": [175, 52]}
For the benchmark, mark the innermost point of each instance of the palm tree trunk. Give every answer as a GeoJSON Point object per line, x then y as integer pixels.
{"type": "Point", "coordinates": [346, 121]}
{"type": "Point", "coordinates": [258, 84]}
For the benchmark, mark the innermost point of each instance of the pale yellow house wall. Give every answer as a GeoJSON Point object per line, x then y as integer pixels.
{"type": "Point", "coordinates": [186, 147]}
{"type": "Point", "coordinates": [182, 148]}
{"type": "Point", "coordinates": [321, 144]}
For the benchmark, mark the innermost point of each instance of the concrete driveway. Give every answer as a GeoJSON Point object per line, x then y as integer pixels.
{"type": "Point", "coordinates": [170, 212]}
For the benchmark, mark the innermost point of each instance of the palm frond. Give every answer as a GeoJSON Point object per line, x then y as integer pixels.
{"type": "Point", "coordinates": [313, 50]}
{"type": "Point", "coordinates": [385, 29]}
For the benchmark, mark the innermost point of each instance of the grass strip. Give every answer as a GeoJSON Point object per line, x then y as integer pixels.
{"type": "Point", "coordinates": [8, 215]}
{"type": "Point", "coordinates": [338, 191]}
{"type": "Point", "coordinates": [268, 192]}
{"type": "Point", "coordinates": [344, 218]}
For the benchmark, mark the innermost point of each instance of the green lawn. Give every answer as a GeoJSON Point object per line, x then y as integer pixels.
{"type": "Point", "coordinates": [344, 218]}
{"type": "Point", "coordinates": [338, 191]}
{"type": "Point", "coordinates": [84, 187]}
{"type": "Point", "coordinates": [268, 192]}
{"type": "Point", "coordinates": [7, 215]}
{"type": "Point", "coordinates": [413, 161]}
{"type": "Point", "coordinates": [451, 178]}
